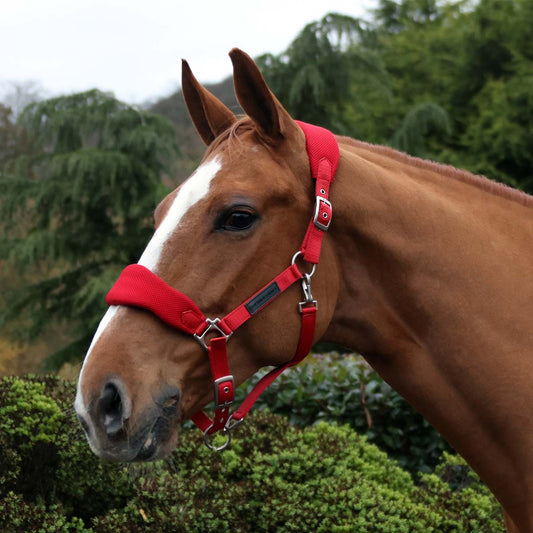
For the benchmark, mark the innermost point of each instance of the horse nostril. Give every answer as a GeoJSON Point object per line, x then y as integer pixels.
{"type": "Point", "coordinates": [111, 409]}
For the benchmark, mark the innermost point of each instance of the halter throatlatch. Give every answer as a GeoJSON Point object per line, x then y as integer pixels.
{"type": "Point", "coordinates": [139, 287]}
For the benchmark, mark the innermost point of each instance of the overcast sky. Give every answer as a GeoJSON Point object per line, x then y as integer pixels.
{"type": "Point", "coordinates": [133, 47]}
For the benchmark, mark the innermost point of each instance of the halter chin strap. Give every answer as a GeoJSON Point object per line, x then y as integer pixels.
{"type": "Point", "coordinates": [139, 287]}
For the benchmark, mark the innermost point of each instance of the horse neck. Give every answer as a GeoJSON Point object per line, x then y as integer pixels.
{"type": "Point", "coordinates": [433, 294]}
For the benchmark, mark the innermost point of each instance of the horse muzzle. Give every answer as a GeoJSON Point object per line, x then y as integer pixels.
{"type": "Point", "coordinates": [112, 433]}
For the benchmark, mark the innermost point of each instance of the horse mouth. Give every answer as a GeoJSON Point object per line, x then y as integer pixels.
{"type": "Point", "coordinates": [156, 442]}
{"type": "Point", "coordinates": [151, 442]}
{"type": "Point", "coordinates": [148, 450]}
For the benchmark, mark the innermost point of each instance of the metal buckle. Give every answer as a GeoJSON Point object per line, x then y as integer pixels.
{"type": "Point", "coordinates": [217, 382]}
{"type": "Point", "coordinates": [319, 221]}
{"type": "Point", "coordinates": [212, 325]}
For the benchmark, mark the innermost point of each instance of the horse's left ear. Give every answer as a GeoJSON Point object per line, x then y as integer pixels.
{"type": "Point", "coordinates": [257, 100]}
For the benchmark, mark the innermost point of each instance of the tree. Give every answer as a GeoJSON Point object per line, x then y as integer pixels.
{"type": "Point", "coordinates": [314, 76]}
{"type": "Point", "coordinates": [18, 95]}
{"type": "Point", "coordinates": [472, 59]}
{"type": "Point", "coordinates": [14, 140]}
{"type": "Point", "coordinates": [77, 209]}
{"type": "Point", "coordinates": [450, 81]}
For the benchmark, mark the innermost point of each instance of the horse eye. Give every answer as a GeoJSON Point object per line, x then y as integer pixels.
{"type": "Point", "coordinates": [237, 219]}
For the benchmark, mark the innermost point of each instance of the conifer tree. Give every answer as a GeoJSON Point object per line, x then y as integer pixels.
{"type": "Point", "coordinates": [14, 140]}
{"type": "Point", "coordinates": [77, 209]}
{"type": "Point", "coordinates": [314, 77]}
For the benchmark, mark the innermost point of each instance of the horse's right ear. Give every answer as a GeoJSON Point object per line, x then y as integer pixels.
{"type": "Point", "coordinates": [209, 115]}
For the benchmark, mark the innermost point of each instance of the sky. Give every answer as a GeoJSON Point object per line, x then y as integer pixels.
{"type": "Point", "coordinates": [133, 48]}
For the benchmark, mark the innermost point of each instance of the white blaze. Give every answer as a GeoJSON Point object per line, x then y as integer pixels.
{"type": "Point", "coordinates": [106, 319]}
{"type": "Point", "coordinates": [192, 191]}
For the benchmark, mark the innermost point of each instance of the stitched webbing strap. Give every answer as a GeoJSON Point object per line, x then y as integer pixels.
{"type": "Point", "coordinates": [222, 414]}
{"type": "Point", "coordinates": [224, 388]}
{"type": "Point", "coordinates": [323, 151]}
{"type": "Point", "coordinates": [261, 298]}
{"type": "Point", "coordinates": [304, 347]}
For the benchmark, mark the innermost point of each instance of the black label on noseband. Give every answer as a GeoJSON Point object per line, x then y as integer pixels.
{"type": "Point", "coordinates": [261, 299]}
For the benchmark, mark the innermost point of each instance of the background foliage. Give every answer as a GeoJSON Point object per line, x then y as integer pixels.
{"type": "Point", "coordinates": [447, 80]}
{"type": "Point", "coordinates": [342, 388]}
{"type": "Point", "coordinates": [76, 209]}
{"type": "Point", "coordinates": [275, 477]}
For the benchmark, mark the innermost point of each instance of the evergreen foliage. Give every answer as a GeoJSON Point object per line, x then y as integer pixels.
{"type": "Point", "coordinates": [78, 208]}
{"type": "Point", "coordinates": [446, 80]}
{"type": "Point", "coordinates": [315, 75]}
{"type": "Point", "coordinates": [451, 81]}
{"type": "Point", "coordinates": [274, 478]}
{"type": "Point", "coordinates": [13, 138]}
{"type": "Point", "coordinates": [344, 389]}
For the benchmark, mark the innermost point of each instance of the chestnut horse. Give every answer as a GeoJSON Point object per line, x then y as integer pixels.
{"type": "Point", "coordinates": [426, 271]}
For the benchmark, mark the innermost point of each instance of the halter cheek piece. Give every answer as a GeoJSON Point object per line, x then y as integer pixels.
{"type": "Point", "coordinates": [139, 287]}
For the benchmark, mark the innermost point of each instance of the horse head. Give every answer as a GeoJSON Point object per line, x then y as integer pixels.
{"type": "Point", "coordinates": [228, 230]}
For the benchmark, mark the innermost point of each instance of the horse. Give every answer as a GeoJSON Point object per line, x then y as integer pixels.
{"type": "Point", "coordinates": [425, 270]}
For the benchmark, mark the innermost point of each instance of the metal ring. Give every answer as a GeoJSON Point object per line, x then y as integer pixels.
{"type": "Point", "coordinates": [207, 441]}
{"type": "Point", "coordinates": [293, 261]}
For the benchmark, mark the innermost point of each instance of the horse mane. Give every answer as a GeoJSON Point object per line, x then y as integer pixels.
{"type": "Point", "coordinates": [245, 124]}
{"type": "Point", "coordinates": [481, 182]}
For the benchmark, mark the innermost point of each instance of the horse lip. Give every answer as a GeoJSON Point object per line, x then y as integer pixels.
{"type": "Point", "coordinates": [142, 447]}
{"type": "Point", "coordinates": [148, 449]}
{"type": "Point", "coordinates": [155, 436]}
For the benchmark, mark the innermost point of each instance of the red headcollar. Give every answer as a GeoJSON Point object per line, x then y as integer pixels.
{"type": "Point", "coordinates": [139, 287]}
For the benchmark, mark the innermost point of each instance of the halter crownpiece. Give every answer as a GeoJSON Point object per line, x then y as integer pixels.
{"type": "Point", "coordinates": [139, 287]}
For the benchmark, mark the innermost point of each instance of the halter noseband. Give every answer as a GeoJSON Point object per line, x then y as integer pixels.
{"type": "Point", "coordinates": [139, 287]}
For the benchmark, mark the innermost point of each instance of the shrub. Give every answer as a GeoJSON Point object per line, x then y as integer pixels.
{"type": "Point", "coordinates": [345, 389]}
{"type": "Point", "coordinates": [275, 477]}
{"type": "Point", "coordinates": [44, 456]}
{"type": "Point", "coordinates": [18, 516]}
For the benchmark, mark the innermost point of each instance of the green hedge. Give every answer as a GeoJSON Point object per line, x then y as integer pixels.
{"type": "Point", "coordinates": [343, 388]}
{"type": "Point", "coordinates": [275, 477]}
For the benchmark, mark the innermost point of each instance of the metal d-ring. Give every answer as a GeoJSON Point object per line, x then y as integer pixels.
{"type": "Point", "coordinates": [207, 441]}
{"type": "Point", "coordinates": [231, 424]}
{"type": "Point", "coordinates": [293, 261]}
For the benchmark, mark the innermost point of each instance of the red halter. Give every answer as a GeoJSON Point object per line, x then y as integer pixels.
{"type": "Point", "coordinates": [139, 287]}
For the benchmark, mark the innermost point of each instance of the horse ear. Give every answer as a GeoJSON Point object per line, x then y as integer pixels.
{"type": "Point", "coordinates": [209, 115]}
{"type": "Point", "coordinates": [256, 99]}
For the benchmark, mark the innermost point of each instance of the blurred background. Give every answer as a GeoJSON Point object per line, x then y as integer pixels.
{"type": "Point", "coordinates": [94, 131]}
